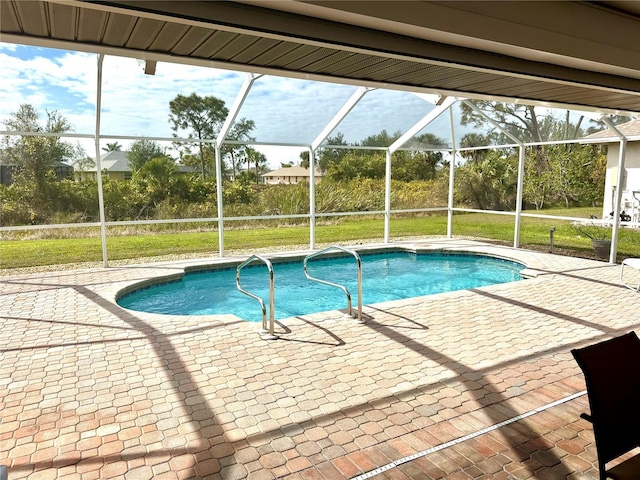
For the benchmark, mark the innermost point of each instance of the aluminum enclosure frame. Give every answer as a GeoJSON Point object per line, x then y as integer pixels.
{"type": "Point", "coordinates": [442, 104]}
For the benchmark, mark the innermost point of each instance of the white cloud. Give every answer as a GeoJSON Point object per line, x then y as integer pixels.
{"type": "Point", "coordinates": [61, 83]}
{"type": "Point", "coordinates": [285, 110]}
{"type": "Point", "coordinates": [292, 110]}
{"type": "Point", "coordinates": [141, 102]}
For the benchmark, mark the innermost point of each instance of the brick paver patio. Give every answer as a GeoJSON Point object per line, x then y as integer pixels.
{"type": "Point", "coordinates": [90, 390]}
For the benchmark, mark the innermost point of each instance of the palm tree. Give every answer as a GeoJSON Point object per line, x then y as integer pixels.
{"type": "Point", "coordinates": [474, 140]}
{"type": "Point", "coordinates": [112, 147]}
{"type": "Point", "coordinates": [259, 161]}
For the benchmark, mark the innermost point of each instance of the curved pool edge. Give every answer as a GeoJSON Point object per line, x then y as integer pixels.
{"type": "Point", "coordinates": [212, 264]}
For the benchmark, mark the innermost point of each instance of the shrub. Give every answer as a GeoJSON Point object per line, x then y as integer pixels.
{"type": "Point", "coordinates": [358, 195]}
{"type": "Point", "coordinates": [420, 194]}
{"type": "Point", "coordinates": [284, 199]}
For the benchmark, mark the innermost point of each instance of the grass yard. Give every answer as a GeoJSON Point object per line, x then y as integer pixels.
{"type": "Point", "coordinates": [491, 227]}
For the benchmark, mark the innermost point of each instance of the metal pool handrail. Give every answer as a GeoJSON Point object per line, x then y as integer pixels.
{"type": "Point", "coordinates": [341, 287]}
{"type": "Point", "coordinates": [268, 334]}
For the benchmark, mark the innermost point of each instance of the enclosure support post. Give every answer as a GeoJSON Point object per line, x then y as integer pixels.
{"type": "Point", "coordinates": [224, 130]}
{"type": "Point", "coordinates": [387, 197]}
{"type": "Point", "coordinates": [103, 227]}
{"type": "Point", "coordinates": [618, 201]}
{"type": "Point", "coordinates": [220, 205]}
{"type": "Point", "coordinates": [516, 233]}
{"type": "Point", "coordinates": [452, 167]}
{"type": "Point", "coordinates": [312, 199]}
{"type": "Point", "coordinates": [443, 104]}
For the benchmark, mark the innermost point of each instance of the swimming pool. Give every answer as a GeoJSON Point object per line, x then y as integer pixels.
{"type": "Point", "coordinates": [386, 276]}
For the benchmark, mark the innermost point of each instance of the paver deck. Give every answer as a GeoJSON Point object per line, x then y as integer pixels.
{"type": "Point", "coordinates": [90, 390]}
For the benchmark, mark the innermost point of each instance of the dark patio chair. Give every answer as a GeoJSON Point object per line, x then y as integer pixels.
{"type": "Point", "coordinates": [612, 373]}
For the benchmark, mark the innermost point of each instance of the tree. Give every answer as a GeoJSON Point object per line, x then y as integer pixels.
{"type": "Point", "coordinates": [258, 160]}
{"type": "Point", "coordinates": [473, 139]}
{"type": "Point", "coordinates": [490, 183]}
{"type": "Point", "coordinates": [122, 200]}
{"type": "Point", "coordinates": [598, 126]}
{"type": "Point", "coordinates": [202, 118]}
{"type": "Point", "coordinates": [141, 151]}
{"type": "Point", "coordinates": [304, 159]}
{"type": "Point", "coordinates": [537, 185]}
{"type": "Point", "coordinates": [112, 147]}
{"type": "Point", "coordinates": [521, 121]}
{"type": "Point", "coordinates": [382, 139]}
{"type": "Point", "coordinates": [406, 165]}
{"type": "Point", "coordinates": [34, 158]}
{"type": "Point", "coordinates": [355, 165]}
{"type": "Point", "coordinates": [577, 174]}
{"type": "Point", "coordinates": [156, 179]}
{"type": "Point", "coordinates": [327, 156]}
{"type": "Point", "coordinates": [419, 164]}
{"type": "Point", "coordinates": [552, 173]}
{"type": "Point", "coordinates": [238, 154]}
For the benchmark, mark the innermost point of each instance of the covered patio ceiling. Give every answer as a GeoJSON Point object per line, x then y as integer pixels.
{"type": "Point", "coordinates": [580, 54]}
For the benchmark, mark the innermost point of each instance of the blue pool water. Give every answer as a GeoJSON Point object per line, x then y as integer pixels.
{"type": "Point", "coordinates": [387, 276]}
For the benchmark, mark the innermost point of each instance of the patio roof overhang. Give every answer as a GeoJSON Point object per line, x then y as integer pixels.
{"type": "Point", "coordinates": [582, 54]}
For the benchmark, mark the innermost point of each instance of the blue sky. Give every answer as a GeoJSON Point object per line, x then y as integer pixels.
{"type": "Point", "coordinates": [284, 109]}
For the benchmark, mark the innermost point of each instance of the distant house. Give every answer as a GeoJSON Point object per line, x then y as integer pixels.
{"type": "Point", "coordinates": [115, 164]}
{"type": "Point", "coordinates": [61, 170]}
{"type": "Point", "coordinates": [631, 177]}
{"type": "Point", "coordinates": [290, 175]}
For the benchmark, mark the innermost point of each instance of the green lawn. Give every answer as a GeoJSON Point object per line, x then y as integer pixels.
{"type": "Point", "coordinates": [534, 232]}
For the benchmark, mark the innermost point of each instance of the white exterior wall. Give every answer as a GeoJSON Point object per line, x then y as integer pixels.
{"type": "Point", "coordinates": [630, 183]}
